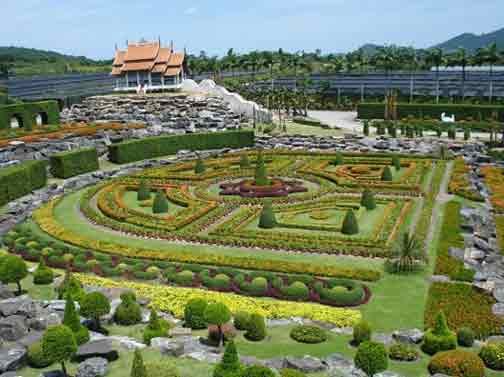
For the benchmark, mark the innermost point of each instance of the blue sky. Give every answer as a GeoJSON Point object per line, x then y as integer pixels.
{"type": "Point", "coordinates": [92, 27]}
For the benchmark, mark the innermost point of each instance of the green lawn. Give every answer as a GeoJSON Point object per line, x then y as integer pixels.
{"type": "Point", "coordinates": [130, 200]}
{"type": "Point", "coordinates": [67, 214]}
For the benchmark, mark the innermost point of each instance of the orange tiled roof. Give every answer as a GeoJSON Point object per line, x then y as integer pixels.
{"type": "Point", "coordinates": [164, 55]}
{"type": "Point", "coordinates": [119, 58]}
{"type": "Point", "coordinates": [138, 66]}
{"type": "Point", "coordinates": [176, 59]}
{"type": "Point", "coordinates": [142, 51]}
{"type": "Point", "coordinates": [173, 71]}
{"type": "Point", "coordinates": [148, 57]}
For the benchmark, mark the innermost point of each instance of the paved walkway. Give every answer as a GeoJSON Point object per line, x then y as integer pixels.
{"type": "Point", "coordinates": [346, 120]}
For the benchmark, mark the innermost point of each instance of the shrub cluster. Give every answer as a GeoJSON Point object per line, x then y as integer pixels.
{"type": "Point", "coordinates": [457, 363]}
{"type": "Point", "coordinates": [43, 275]}
{"type": "Point", "coordinates": [308, 334]}
{"type": "Point", "coordinates": [72, 163]}
{"type": "Point", "coordinates": [439, 338]}
{"type": "Point", "coordinates": [371, 357]}
{"type": "Point", "coordinates": [361, 333]}
{"type": "Point", "coordinates": [128, 312]}
{"type": "Point", "coordinates": [403, 352]}
{"type": "Point", "coordinates": [194, 314]}
{"type": "Point", "coordinates": [493, 355]}
{"type": "Point", "coordinates": [256, 329]}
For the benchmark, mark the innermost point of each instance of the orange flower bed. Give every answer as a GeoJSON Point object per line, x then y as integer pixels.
{"type": "Point", "coordinates": [494, 179]}
{"type": "Point", "coordinates": [80, 129]}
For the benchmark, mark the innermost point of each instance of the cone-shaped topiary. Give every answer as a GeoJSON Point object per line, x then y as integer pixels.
{"type": "Point", "coordinates": [72, 321]}
{"type": "Point", "coordinates": [138, 367]}
{"type": "Point", "coordinates": [70, 286]}
{"type": "Point", "coordinates": [199, 168]}
{"type": "Point", "coordinates": [160, 204]}
{"type": "Point", "coordinates": [143, 192]}
{"type": "Point", "coordinates": [230, 364]}
{"type": "Point", "coordinates": [156, 328]}
{"type": "Point", "coordinates": [267, 219]}
{"type": "Point", "coordinates": [261, 175]}
{"type": "Point", "coordinates": [367, 200]}
{"type": "Point", "coordinates": [244, 161]}
{"type": "Point", "coordinates": [396, 161]}
{"type": "Point", "coordinates": [386, 174]}
{"type": "Point", "coordinates": [350, 225]}
{"type": "Point", "coordinates": [439, 338]}
{"type": "Point", "coordinates": [338, 159]}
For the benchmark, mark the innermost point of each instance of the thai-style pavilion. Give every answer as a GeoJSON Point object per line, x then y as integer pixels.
{"type": "Point", "coordinates": [150, 65]}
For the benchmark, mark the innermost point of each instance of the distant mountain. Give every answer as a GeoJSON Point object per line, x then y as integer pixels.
{"type": "Point", "coordinates": [472, 42]}
{"type": "Point", "coordinates": [22, 61]}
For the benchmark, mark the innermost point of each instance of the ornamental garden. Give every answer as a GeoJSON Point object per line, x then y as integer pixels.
{"type": "Point", "coordinates": [268, 254]}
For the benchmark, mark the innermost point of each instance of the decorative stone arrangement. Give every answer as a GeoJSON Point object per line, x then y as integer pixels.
{"type": "Point", "coordinates": [248, 189]}
{"type": "Point", "coordinates": [168, 112]}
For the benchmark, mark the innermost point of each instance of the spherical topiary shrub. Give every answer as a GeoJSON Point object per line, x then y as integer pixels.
{"type": "Point", "coordinates": [296, 291]}
{"type": "Point", "coordinates": [457, 363]}
{"type": "Point", "coordinates": [403, 352]}
{"type": "Point", "coordinates": [241, 320]}
{"type": "Point", "coordinates": [386, 174]}
{"type": "Point", "coordinates": [465, 337]}
{"type": "Point", "coordinates": [350, 225]}
{"type": "Point", "coordinates": [439, 338]}
{"type": "Point", "coordinates": [308, 334]}
{"type": "Point", "coordinates": [43, 275]}
{"type": "Point", "coordinates": [371, 357]}
{"type": "Point", "coordinates": [258, 285]}
{"type": "Point", "coordinates": [361, 333]}
{"type": "Point", "coordinates": [267, 219]}
{"type": "Point", "coordinates": [160, 204]}
{"type": "Point", "coordinates": [194, 314]}
{"type": "Point", "coordinates": [287, 372]}
{"type": "Point", "coordinates": [493, 355]}
{"type": "Point", "coordinates": [128, 312]}
{"type": "Point", "coordinates": [258, 371]}
{"type": "Point", "coordinates": [256, 329]}
{"type": "Point", "coordinates": [185, 277]}
{"type": "Point", "coordinates": [36, 357]}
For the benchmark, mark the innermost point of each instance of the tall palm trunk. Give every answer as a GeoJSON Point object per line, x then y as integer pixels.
{"type": "Point", "coordinates": [437, 83]}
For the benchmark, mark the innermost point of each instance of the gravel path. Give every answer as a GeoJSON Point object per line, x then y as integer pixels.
{"type": "Point", "coordinates": [346, 120]}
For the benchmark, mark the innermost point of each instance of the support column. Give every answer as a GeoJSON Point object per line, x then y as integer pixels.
{"type": "Point", "coordinates": [127, 80]}
{"type": "Point", "coordinates": [150, 79]}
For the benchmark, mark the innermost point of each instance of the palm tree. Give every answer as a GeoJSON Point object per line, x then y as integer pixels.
{"type": "Point", "coordinates": [461, 59]}
{"type": "Point", "coordinates": [387, 58]}
{"type": "Point", "coordinates": [488, 55]}
{"type": "Point", "coordinates": [407, 255]}
{"type": "Point", "coordinates": [435, 57]}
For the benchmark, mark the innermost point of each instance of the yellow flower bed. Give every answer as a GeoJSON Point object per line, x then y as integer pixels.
{"type": "Point", "coordinates": [171, 299]}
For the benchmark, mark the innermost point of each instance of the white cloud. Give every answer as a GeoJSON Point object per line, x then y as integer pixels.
{"type": "Point", "coordinates": [190, 11]}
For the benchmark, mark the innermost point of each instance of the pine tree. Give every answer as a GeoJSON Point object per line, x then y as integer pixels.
{"type": "Point", "coordinates": [230, 364]}
{"type": "Point", "coordinates": [367, 200]}
{"type": "Point", "coordinates": [338, 159]}
{"type": "Point", "coordinates": [138, 367]}
{"type": "Point", "coordinates": [160, 204]}
{"type": "Point", "coordinates": [386, 175]}
{"type": "Point", "coordinates": [441, 327]}
{"type": "Point", "coordinates": [267, 219]}
{"type": "Point", "coordinates": [261, 175]}
{"type": "Point", "coordinates": [396, 162]}
{"type": "Point", "coordinates": [143, 192]}
{"type": "Point", "coordinates": [199, 168]}
{"type": "Point", "coordinates": [350, 225]}
{"type": "Point", "coordinates": [70, 318]}
{"type": "Point", "coordinates": [244, 161]}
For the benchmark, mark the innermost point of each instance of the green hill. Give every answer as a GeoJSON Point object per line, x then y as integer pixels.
{"type": "Point", "coordinates": [22, 61]}
{"type": "Point", "coordinates": [472, 42]}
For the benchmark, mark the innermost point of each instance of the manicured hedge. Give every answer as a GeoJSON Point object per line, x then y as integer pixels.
{"type": "Point", "coordinates": [72, 163]}
{"type": "Point", "coordinates": [476, 112]}
{"type": "Point", "coordinates": [137, 150]}
{"type": "Point", "coordinates": [27, 112]}
{"type": "Point", "coordinates": [21, 179]}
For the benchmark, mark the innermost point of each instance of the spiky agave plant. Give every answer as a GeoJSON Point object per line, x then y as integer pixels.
{"type": "Point", "coordinates": [407, 256]}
